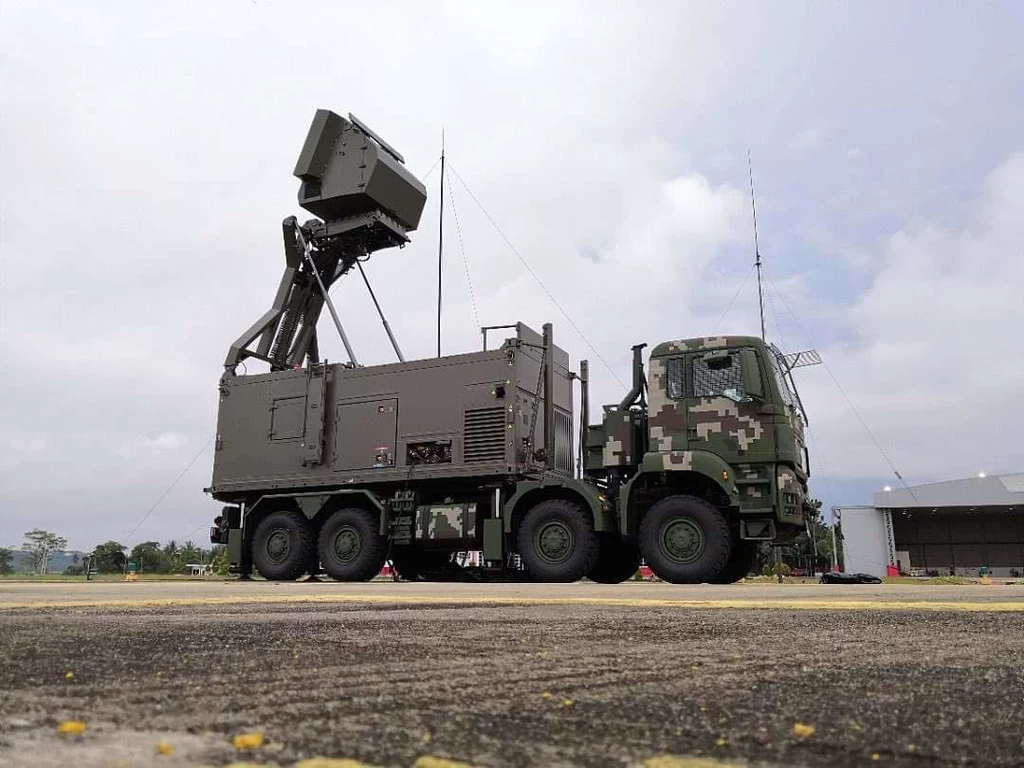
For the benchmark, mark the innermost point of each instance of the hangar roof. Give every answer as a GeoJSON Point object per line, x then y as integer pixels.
{"type": "Point", "coordinates": [993, 491]}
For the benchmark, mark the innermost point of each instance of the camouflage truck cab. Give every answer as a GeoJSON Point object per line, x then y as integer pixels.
{"type": "Point", "coordinates": [710, 453]}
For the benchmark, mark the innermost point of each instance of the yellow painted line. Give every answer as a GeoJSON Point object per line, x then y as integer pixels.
{"type": "Point", "coordinates": [796, 604]}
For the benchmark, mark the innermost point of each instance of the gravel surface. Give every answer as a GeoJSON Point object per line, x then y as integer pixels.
{"type": "Point", "coordinates": [507, 684]}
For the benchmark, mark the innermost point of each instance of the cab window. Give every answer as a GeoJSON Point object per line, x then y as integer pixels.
{"type": "Point", "coordinates": [674, 373]}
{"type": "Point", "coordinates": [718, 375]}
{"type": "Point", "coordinates": [781, 381]}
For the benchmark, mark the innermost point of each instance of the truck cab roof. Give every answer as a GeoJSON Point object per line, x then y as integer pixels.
{"type": "Point", "coordinates": [703, 343]}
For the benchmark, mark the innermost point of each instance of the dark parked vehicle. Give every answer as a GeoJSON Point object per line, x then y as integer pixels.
{"type": "Point", "coordinates": [849, 578]}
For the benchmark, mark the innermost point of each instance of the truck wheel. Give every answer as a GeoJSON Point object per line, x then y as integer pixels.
{"type": "Point", "coordinates": [744, 553]}
{"type": "Point", "coordinates": [685, 540]}
{"type": "Point", "coordinates": [617, 559]}
{"type": "Point", "coordinates": [556, 541]}
{"type": "Point", "coordinates": [283, 546]}
{"type": "Point", "coordinates": [351, 547]}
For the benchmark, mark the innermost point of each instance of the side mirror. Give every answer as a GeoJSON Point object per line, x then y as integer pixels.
{"type": "Point", "coordinates": [751, 374]}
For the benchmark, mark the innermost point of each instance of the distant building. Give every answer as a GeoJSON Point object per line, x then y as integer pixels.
{"type": "Point", "coordinates": [199, 569]}
{"type": "Point", "coordinates": [955, 527]}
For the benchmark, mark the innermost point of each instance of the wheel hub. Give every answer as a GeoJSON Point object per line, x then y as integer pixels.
{"type": "Point", "coordinates": [555, 542]}
{"type": "Point", "coordinates": [682, 540]}
{"type": "Point", "coordinates": [347, 544]}
{"type": "Point", "coordinates": [279, 545]}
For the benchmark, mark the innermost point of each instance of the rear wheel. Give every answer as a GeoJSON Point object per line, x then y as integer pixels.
{"type": "Point", "coordinates": [556, 541]}
{"type": "Point", "coordinates": [685, 540]}
{"type": "Point", "coordinates": [351, 547]}
{"type": "Point", "coordinates": [744, 553]}
{"type": "Point", "coordinates": [617, 559]}
{"type": "Point", "coordinates": [283, 546]}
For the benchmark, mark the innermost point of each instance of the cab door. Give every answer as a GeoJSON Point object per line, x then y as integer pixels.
{"type": "Point", "coordinates": [721, 415]}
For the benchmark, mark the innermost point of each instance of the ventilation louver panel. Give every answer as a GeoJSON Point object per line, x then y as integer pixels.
{"type": "Point", "coordinates": [483, 436]}
{"type": "Point", "coordinates": [563, 441]}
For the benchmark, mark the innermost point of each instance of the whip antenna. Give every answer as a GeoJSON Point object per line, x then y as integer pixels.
{"type": "Point", "coordinates": [757, 251]}
{"type": "Point", "coordinates": [440, 248]}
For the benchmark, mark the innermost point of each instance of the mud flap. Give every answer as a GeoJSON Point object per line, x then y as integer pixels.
{"type": "Point", "coordinates": [757, 530]}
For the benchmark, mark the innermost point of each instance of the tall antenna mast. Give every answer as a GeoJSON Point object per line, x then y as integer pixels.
{"type": "Point", "coordinates": [757, 251]}
{"type": "Point", "coordinates": [440, 248]}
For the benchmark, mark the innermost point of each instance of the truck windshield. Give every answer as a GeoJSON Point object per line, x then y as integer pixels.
{"type": "Point", "coordinates": [778, 369]}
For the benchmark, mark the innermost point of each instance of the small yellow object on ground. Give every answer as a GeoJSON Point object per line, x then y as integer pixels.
{"type": "Point", "coordinates": [720, 741]}
{"type": "Point", "coordinates": [802, 730]}
{"type": "Point", "coordinates": [567, 702]}
{"type": "Point", "coordinates": [248, 740]}
{"type": "Point", "coordinates": [163, 748]}
{"type": "Point", "coordinates": [875, 756]}
{"type": "Point", "coordinates": [69, 675]}
{"type": "Point", "coordinates": [71, 728]}
{"type": "Point", "coordinates": [429, 761]}
{"type": "Point", "coordinates": [547, 695]}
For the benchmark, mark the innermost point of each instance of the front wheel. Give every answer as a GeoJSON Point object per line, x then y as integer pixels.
{"type": "Point", "coordinates": [351, 547]}
{"type": "Point", "coordinates": [556, 541]}
{"type": "Point", "coordinates": [283, 546]}
{"type": "Point", "coordinates": [741, 561]}
{"type": "Point", "coordinates": [685, 540]}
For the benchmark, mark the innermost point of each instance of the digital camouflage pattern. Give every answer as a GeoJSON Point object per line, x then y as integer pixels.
{"type": "Point", "coordinates": [666, 418]}
{"type": "Point", "coordinates": [751, 442]}
{"type": "Point", "coordinates": [704, 344]}
{"type": "Point", "coordinates": [447, 521]}
{"type": "Point", "coordinates": [619, 449]}
{"type": "Point", "coordinates": [720, 417]}
{"type": "Point", "coordinates": [791, 491]}
{"type": "Point", "coordinates": [726, 427]}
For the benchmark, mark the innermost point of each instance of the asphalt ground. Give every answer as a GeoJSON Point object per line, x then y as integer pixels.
{"type": "Point", "coordinates": [511, 674]}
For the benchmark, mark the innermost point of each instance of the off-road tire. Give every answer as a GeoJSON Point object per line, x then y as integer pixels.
{"type": "Point", "coordinates": [744, 553]}
{"type": "Point", "coordinates": [351, 547]}
{"type": "Point", "coordinates": [617, 559]}
{"type": "Point", "coordinates": [553, 525]}
{"type": "Point", "coordinates": [685, 540]}
{"type": "Point", "coordinates": [283, 546]}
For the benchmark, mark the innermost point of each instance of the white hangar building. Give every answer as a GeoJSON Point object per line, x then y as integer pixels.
{"type": "Point", "coordinates": [955, 527]}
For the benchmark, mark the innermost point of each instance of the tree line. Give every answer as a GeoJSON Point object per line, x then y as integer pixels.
{"type": "Point", "coordinates": [40, 546]}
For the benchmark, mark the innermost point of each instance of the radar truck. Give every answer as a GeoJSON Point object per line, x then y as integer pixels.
{"type": "Point", "coordinates": [338, 467]}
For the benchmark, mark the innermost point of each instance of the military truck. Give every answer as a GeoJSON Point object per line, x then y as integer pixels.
{"type": "Point", "coordinates": [338, 468]}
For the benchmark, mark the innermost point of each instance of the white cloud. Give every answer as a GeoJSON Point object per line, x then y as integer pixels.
{"type": "Point", "coordinates": [29, 447]}
{"type": "Point", "coordinates": [811, 137]}
{"type": "Point", "coordinates": [161, 443]}
{"type": "Point", "coordinates": [934, 364]}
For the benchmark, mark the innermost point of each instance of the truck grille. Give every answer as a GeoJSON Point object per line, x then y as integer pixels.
{"type": "Point", "coordinates": [483, 436]}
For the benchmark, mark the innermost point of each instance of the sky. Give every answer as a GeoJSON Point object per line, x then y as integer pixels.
{"type": "Point", "coordinates": [146, 152]}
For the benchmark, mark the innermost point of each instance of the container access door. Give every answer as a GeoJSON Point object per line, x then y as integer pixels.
{"type": "Point", "coordinates": [365, 434]}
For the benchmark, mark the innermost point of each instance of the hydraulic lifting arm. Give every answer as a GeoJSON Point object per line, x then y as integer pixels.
{"type": "Point", "coordinates": [366, 201]}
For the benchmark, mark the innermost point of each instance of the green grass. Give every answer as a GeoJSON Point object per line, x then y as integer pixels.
{"type": "Point", "coordinates": [60, 577]}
